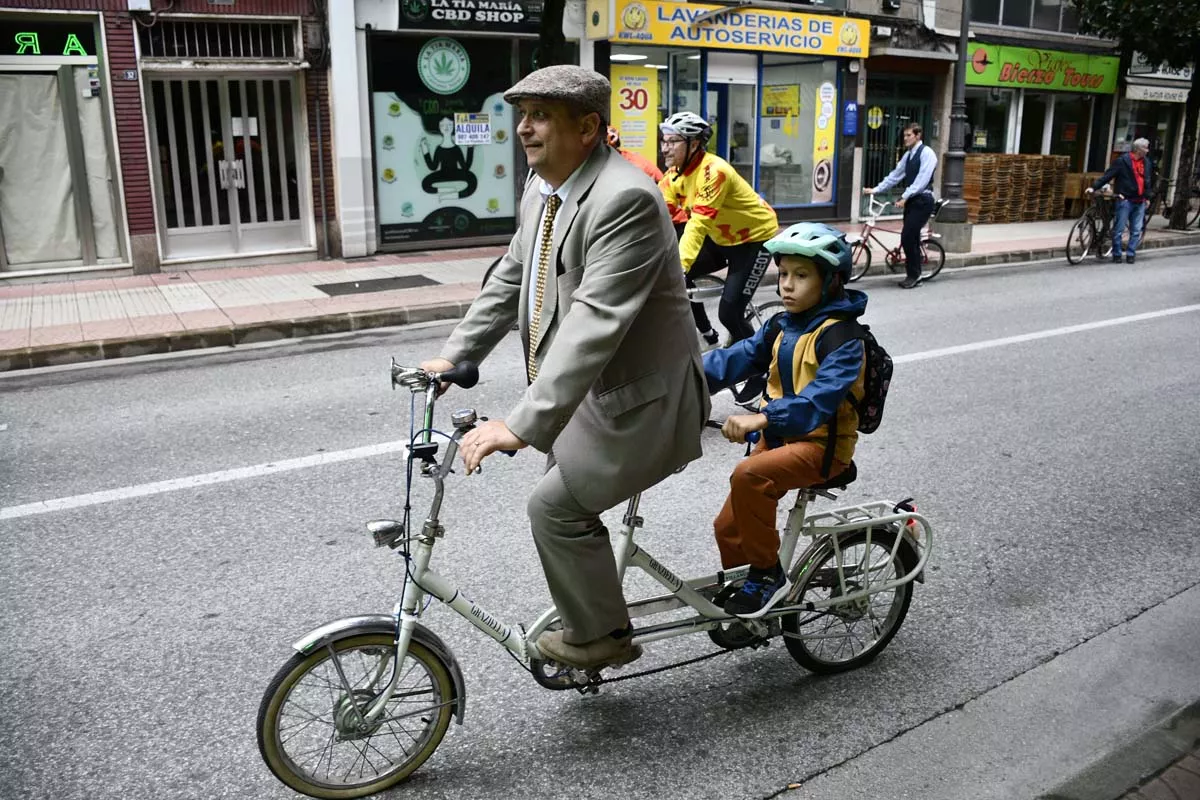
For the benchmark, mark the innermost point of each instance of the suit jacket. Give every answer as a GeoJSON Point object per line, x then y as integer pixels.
{"type": "Point", "coordinates": [620, 398]}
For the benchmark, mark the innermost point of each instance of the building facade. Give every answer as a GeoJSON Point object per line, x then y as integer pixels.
{"type": "Point", "coordinates": [425, 144]}
{"type": "Point", "coordinates": [184, 134]}
{"type": "Point", "coordinates": [779, 86]}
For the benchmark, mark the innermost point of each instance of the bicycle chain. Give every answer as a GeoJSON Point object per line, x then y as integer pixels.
{"type": "Point", "coordinates": [598, 682]}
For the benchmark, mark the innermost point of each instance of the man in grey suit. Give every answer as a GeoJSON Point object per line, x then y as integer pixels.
{"type": "Point", "coordinates": [616, 394]}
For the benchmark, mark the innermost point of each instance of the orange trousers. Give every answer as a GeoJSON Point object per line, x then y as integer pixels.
{"type": "Point", "coordinates": [745, 528]}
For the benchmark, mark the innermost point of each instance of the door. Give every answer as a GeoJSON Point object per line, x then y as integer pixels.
{"type": "Point", "coordinates": [227, 166]}
{"type": "Point", "coordinates": [892, 103]}
{"type": "Point", "coordinates": [57, 195]}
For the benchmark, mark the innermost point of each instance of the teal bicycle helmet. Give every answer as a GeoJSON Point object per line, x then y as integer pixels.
{"type": "Point", "coordinates": [825, 245]}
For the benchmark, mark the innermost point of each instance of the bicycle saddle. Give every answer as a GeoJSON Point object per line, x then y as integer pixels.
{"type": "Point", "coordinates": [839, 481]}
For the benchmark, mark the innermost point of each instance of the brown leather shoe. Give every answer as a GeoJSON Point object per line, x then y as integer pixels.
{"type": "Point", "coordinates": [603, 652]}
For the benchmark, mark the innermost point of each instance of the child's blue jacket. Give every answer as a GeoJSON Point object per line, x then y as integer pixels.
{"type": "Point", "coordinates": [805, 408]}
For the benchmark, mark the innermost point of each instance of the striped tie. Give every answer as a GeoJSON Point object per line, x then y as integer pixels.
{"type": "Point", "coordinates": [539, 292]}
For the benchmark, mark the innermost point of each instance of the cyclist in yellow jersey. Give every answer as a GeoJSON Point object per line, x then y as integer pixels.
{"type": "Point", "coordinates": [727, 222]}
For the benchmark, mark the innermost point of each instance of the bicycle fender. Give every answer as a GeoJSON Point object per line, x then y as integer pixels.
{"type": "Point", "coordinates": [385, 623]}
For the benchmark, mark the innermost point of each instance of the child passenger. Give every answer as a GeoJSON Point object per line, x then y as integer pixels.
{"type": "Point", "coordinates": [802, 395]}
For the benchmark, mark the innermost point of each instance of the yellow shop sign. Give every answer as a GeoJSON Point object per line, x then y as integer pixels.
{"type": "Point", "coordinates": [761, 30]}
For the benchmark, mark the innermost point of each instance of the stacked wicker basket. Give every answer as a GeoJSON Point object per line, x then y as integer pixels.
{"type": "Point", "coordinates": [1014, 188]}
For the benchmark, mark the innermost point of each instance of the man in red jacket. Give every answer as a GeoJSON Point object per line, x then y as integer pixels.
{"type": "Point", "coordinates": [1132, 174]}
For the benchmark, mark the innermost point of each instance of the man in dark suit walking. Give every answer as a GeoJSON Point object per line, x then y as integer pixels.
{"type": "Point", "coordinates": [1134, 178]}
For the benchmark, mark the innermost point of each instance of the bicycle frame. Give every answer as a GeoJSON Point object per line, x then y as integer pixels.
{"type": "Point", "coordinates": [870, 225]}
{"type": "Point", "coordinates": [424, 582]}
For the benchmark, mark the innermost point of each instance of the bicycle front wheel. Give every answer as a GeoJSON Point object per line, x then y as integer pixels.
{"type": "Point", "coordinates": [933, 258]}
{"type": "Point", "coordinates": [1080, 240]}
{"type": "Point", "coordinates": [310, 729]}
{"type": "Point", "coordinates": [860, 260]}
{"type": "Point", "coordinates": [847, 635]}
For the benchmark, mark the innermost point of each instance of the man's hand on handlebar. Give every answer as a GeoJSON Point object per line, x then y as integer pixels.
{"type": "Point", "coordinates": [438, 365]}
{"type": "Point", "coordinates": [869, 191]}
{"type": "Point", "coordinates": [738, 426]}
{"type": "Point", "coordinates": [486, 439]}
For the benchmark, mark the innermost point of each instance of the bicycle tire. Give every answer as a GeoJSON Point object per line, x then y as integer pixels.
{"type": "Point", "coordinates": [820, 581]}
{"type": "Point", "coordinates": [759, 314]}
{"type": "Point", "coordinates": [860, 260]}
{"type": "Point", "coordinates": [1193, 213]}
{"type": "Point", "coordinates": [933, 258]}
{"type": "Point", "coordinates": [328, 693]}
{"type": "Point", "coordinates": [1080, 240]}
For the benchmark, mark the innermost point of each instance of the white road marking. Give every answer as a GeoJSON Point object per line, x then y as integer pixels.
{"type": "Point", "coordinates": [1030, 337]}
{"type": "Point", "coordinates": [224, 476]}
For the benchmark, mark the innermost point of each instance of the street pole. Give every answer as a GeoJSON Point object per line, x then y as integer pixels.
{"type": "Point", "coordinates": [952, 219]}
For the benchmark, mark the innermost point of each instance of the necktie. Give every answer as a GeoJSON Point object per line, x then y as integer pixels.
{"type": "Point", "coordinates": [539, 292]}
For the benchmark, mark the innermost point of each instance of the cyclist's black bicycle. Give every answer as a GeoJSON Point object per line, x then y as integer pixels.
{"type": "Point", "coordinates": [1092, 233]}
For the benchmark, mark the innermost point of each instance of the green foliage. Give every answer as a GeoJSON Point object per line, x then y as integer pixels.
{"type": "Point", "coordinates": [1166, 31]}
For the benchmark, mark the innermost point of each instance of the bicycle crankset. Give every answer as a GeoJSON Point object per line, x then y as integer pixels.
{"type": "Point", "coordinates": [736, 634]}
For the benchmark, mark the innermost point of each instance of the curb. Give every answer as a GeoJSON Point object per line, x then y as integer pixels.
{"type": "Point", "coordinates": [1137, 762]}
{"type": "Point", "coordinates": [231, 337]}
{"type": "Point", "coordinates": [274, 330]}
{"type": "Point", "coordinates": [957, 261]}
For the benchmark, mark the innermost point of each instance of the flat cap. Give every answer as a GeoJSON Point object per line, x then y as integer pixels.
{"type": "Point", "coordinates": [584, 88]}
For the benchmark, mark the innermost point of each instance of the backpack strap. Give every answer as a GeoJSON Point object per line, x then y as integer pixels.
{"type": "Point", "coordinates": [833, 337]}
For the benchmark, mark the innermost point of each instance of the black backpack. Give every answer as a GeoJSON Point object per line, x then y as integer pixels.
{"type": "Point", "coordinates": [876, 378]}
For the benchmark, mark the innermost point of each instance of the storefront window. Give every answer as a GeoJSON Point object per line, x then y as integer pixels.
{"type": "Point", "coordinates": [1034, 113]}
{"type": "Point", "coordinates": [798, 107]}
{"type": "Point", "coordinates": [987, 120]}
{"type": "Point", "coordinates": [1069, 135]}
{"type": "Point", "coordinates": [1153, 122]}
{"type": "Point", "coordinates": [685, 81]}
{"type": "Point", "coordinates": [443, 137]}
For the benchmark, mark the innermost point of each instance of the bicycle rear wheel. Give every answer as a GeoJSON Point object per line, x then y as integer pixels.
{"type": "Point", "coordinates": [860, 256]}
{"type": "Point", "coordinates": [1080, 240]}
{"type": "Point", "coordinates": [847, 635]}
{"type": "Point", "coordinates": [933, 258]}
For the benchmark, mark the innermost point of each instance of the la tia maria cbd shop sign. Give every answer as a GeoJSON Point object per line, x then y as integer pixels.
{"type": "Point", "coordinates": [1030, 68]}
{"type": "Point", "coordinates": [507, 16]}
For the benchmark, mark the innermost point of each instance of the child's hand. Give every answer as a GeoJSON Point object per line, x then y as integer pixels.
{"type": "Point", "coordinates": [736, 427]}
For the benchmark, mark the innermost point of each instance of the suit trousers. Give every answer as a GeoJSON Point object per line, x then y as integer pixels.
{"type": "Point", "coordinates": [917, 212]}
{"type": "Point", "coordinates": [577, 558]}
{"type": "Point", "coordinates": [745, 528]}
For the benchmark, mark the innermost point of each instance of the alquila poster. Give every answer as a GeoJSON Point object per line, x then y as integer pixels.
{"type": "Point", "coordinates": [444, 153]}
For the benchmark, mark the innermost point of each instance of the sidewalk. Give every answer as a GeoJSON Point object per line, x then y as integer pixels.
{"type": "Point", "coordinates": [46, 324]}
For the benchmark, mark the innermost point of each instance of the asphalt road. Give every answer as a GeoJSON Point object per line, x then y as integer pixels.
{"type": "Point", "coordinates": [140, 628]}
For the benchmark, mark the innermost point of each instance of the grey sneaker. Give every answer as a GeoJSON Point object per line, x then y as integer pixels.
{"type": "Point", "coordinates": [607, 651]}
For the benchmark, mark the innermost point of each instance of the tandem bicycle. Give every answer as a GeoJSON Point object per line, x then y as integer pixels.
{"type": "Point", "coordinates": [365, 700]}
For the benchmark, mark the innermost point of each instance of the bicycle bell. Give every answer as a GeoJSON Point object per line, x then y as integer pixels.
{"type": "Point", "coordinates": [463, 419]}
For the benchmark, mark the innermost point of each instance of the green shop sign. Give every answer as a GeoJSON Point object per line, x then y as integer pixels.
{"type": "Point", "coordinates": [1030, 68]}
